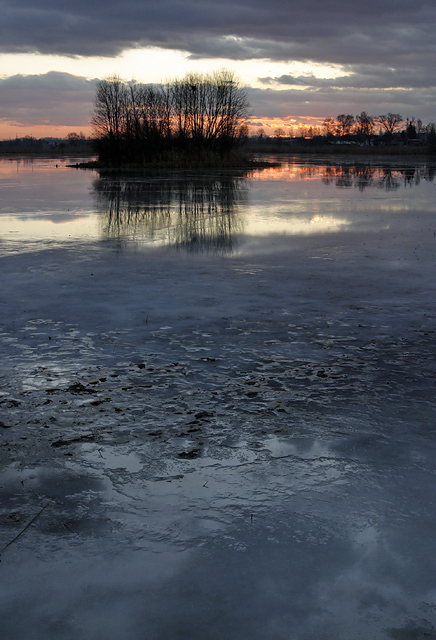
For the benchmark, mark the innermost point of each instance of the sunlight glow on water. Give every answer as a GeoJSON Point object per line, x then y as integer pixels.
{"type": "Point", "coordinates": [259, 225]}
{"type": "Point", "coordinates": [77, 228]}
{"type": "Point", "coordinates": [45, 203]}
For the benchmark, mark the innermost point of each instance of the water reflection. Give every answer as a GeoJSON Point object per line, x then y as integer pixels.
{"type": "Point", "coordinates": [196, 214]}
{"type": "Point", "coordinates": [386, 177]}
{"type": "Point", "coordinates": [45, 205]}
{"type": "Point", "coordinates": [361, 175]}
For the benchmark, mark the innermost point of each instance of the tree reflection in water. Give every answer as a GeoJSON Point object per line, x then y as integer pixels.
{"type": "Point", "coordinates": [203, 213]}
{"type": "Point", "coordinates": [385, 176]}
{"type": "Point", "coordinates": [195, 213]}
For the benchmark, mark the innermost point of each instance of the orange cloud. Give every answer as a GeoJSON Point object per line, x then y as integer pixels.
{"type": "Point", "coordinates": [289, 124]}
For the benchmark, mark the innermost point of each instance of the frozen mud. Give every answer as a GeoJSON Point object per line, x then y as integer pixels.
{"type": "Point", "coordinates": [219, 427]}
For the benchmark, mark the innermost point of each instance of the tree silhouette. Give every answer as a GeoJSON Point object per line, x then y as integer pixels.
{"type": "Point", "coordinates": [345, 124]}
{"type": "Point", "coordinates": [390, 122]}
{"type": "Point", "coordinates": [135, 122]}
{"type": "Point", "coordinates": [329, 126]}
{"type": "Point", "coordinates": [365, 125]}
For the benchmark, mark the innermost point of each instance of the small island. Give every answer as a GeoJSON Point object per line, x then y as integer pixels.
{"type": "Point", "coordinates": [194, 122]}
{"type": "Point", "coordinates": [200, 121]}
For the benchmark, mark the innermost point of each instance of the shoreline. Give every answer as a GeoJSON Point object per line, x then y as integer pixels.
{"type": "Point", "coordinates": [248, 164]}
{"type": "Point", "coordinates": [251, 161]}
{"type": "Point", "coordinates": [344, 149]}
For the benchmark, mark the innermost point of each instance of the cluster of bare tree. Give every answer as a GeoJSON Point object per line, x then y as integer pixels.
{"type": "Point", "coordinates": [366, 126]}
{"type": "Point", "coordinates": [363, 127]}
{"type": "Point", "coordinates": [135, 123]}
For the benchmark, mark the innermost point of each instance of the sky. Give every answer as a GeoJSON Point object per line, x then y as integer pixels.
{"type": "Point", "coordinates": [301, 60]}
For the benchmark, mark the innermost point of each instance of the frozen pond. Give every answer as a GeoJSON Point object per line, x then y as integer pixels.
{"type": "Point", "coordinates": [217, 403]}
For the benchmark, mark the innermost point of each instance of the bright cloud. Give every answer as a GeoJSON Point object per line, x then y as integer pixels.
{"type": "Point", "coordinates": [299, 58]}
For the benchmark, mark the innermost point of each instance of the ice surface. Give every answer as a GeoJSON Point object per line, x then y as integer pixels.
{"type": "Point", "coordinates": [217, 411]}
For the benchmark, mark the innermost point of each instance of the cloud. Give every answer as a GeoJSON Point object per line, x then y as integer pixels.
{"type": "Point", "coordinates": [329, 101]}
{"type": "Point", "coordinates": [53, 98]}
{"type": "Point", "coordinates": [339, 32]}
{"type": "Point", "coordinates": [61, 99]}
{"type": "Point", "coordinates": [374, 88]}
{"type": "Point", "coordinates": [358, 77]}
{"type": "Point", "coordinates": [384, 50]}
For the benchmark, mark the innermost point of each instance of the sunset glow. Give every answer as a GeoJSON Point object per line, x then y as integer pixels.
{"type": "Point", "coordinates": [155, 65]}
{"type": "Point", "coordinates": [151, 65]}
{"type": "Point", "coordinates": [299, 65]}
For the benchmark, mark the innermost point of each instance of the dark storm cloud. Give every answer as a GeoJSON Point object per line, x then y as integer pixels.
{"type": "Point", "coordinates": [338, 31]}
{"type": "Point", "coordinates": [358, 77]}
{"type": "Point", "coordinates": [386, 50]}
{"type": "Point", "coordinates": [53, 98]}
{"type": "Point", "coordinates": [331, 101]}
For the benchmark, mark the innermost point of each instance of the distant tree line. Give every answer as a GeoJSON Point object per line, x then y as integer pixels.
{"type": "Point", "coordinates": [366, 128]}
{"type": "Point", "coordinates": [198, 114]}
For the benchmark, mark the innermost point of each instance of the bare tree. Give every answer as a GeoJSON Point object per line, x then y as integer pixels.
{"type": "Point", "coordinates": [390, 122]}
{"type": "Point", "coordinates": [74, 136]}
{"type": "Point", "coordinates": [365, 124]}
{"type": "Point", "coordinates": [345, 124]}
{"type": "Point", "coordinates": [134, 121]}
{"type": "Point", "coordinates": [329, 126]}
{"type": "Point", "coordinates": [109, 107]}
{"type": "Point", "coordinates": [207, 108]}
